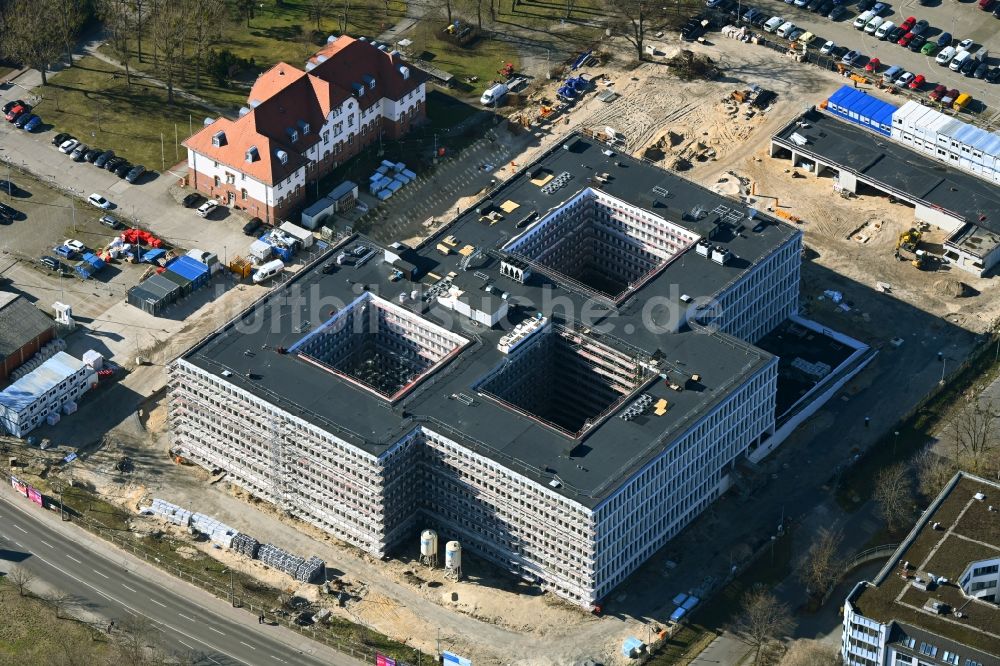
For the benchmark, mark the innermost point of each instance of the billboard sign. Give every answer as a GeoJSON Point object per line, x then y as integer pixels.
{"type": "Point", "coordinates": [35, 496]}
{"type": "Point", "coordinates": [382, 660]}
{"type": "Point", "coordinates": [18, 485]}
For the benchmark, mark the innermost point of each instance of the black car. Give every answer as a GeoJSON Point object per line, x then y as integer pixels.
{"type": "Point", "coordinates": [996, 11]}
{"type": "Point", "coordinates": [10, 105]}
{"type": "Point", "coordinates": [759, 20]}
{"type": "Point", "coordinates": [825, 7]}
{"type": "Point", "coordinates": [981, 71]}
{"type": "Point", "coordinates": [114, 163]}
{"type": "Point", "coordinates": [865, 5]}
{"type": "Point", "coordinates": [252, 226]}
{"type": "Point", "coordinates": [191, 200]}
{"type": "Point", "coordinates": [7, 211]}
{"type": "Point", "coordinates": [920, 27]}
{"type": "Point", "coordinates": [9, 188]}
{"type": "Point", "coordinates": [993, 75]}
{"type": "Point", "coordinates": [111, 222]}
{"type": "Point", "coordinates": [917, 43]}
{"type": "Point", "coordinates": [970, 66]}
{"type": "Point", "coordinates": [135, 173]}
{"type": "Point", "coordinates": [92, 154]}
{"type": "Point", "coordinates": [103, 158]}
{"type": "Point", "coordinates": [893, 35]}
{"type": "Point", "coordinates": [50, 262]}
{"type": "Point", "coordinates": [122, 169]}
{"type": "Point", "coordinates": [838, 12]}
{"type": "Point", "coordinates": [61, 138]}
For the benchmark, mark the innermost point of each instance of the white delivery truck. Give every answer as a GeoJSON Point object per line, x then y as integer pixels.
{"type": "Point", "coordinates": [494, 95]}
{"type": "Point", "coordinates": [267, 271]}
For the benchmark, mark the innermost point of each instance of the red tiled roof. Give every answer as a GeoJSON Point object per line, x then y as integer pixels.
{"type": "Point", "coordinates": [284, 97]}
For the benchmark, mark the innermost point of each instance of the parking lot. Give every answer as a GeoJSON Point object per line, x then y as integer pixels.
{"type": "Point", "coordinates": [961, 19]}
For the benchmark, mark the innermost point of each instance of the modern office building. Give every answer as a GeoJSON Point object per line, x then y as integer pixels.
{"type": "Point", "coordinates": [299, 125]}
{"type": "Point", "coordinates": [45, 394]}
{"type": "Point", "coordinates": [561, 379]}
{"type": "Point", "coordinates": [936, 601]}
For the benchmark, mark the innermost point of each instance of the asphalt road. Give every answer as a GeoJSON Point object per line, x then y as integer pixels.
{"type": "Point", "coordinates": [191, 621]}
{"type": "Point", "coordinates": [961, 19]}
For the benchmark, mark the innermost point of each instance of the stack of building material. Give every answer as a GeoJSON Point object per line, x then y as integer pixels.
{"type": "Point", "coordinates": [90, 264]}
{"type": "Point", "coordinates": [311, 570]}
{"type": "Point", "coordinates": [244, 544]}
{"type": "Point", "coordinates": [171, 512]}
{"type": "Point", "coordinates": [214, 529]}
{"type": "Point", "coordinates": [388, 178]}
{"type": "Point", "coordinates": [280, 559]}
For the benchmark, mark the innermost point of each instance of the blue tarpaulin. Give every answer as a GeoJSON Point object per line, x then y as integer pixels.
{"type": "Point", "coordinates": [151, 256]}
{"type": "Point", "coordinates": [677, 614]}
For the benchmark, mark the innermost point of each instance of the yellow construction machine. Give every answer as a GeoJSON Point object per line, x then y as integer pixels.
{"type": "Point", "coordinates": [908, 247]}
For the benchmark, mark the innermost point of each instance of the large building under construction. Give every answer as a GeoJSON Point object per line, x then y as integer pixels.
{"type": "Point", "coordinates": [561, 379]}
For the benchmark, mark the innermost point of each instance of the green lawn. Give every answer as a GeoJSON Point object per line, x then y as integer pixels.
{"type": "Point", "coordinates": [92, 102]}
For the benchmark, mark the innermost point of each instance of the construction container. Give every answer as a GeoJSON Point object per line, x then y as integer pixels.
{"type": "Point", "coordinates": [304, 236]}
{"type": "Point", "coordinates": [154, 294]}
{"type": "Point", "coordinates": [241, 267]}
{"type": "Point", "coordinates": [93, 358]}
{"type": "Point", "coordinates": [862, 109]}
{"type": "Point", "coordinates": [186, 285]}
{"type": "Point", "coordinates": [195, 271]}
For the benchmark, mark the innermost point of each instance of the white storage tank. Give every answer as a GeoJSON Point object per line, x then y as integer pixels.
{"type": "Point", "coordinates": [453, 556]}
{"type": "Point", "coordinates": [428, 543]}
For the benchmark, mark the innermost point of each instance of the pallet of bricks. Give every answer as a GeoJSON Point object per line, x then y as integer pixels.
{"type": "Point", "coordinates": [302, 570]}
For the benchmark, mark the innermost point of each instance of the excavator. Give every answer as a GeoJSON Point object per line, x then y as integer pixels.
{"type": "Point", "coordinates": [907, 247]}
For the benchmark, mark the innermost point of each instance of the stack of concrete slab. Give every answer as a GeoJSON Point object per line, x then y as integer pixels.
{"type": "Point", "coordinates": [311, 570]}
{"type": "Point", "coordinates": [215, 530]}
{"type": "Point", "coordinates": [280, 559]}
{"type": "Point", "coordinates": [171, 512]}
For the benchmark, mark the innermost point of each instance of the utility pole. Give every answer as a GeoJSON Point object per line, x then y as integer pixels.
{"type": "Point", "coordinates": [163, 160]}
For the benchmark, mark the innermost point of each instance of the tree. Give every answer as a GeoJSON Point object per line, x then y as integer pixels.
{"type": "Point", "coordinates": [71, 17]}
{"type": "Point", "coordinates": [137, 7]}
{"type": "Point", "coordinates": [894, 495]}
{"type": "Point", "coordinates": [117, 17]}
{"type": "Point", "coordinates": [170, 23]}
{"type": "Point", "coordinates": [137, 642]}
{"type": "Point", "coordinates": [206, 25]}
{"type": "Point", "coordinates": [317, 10]}
{"type": "Point", "coordinates": [246, 9]}
{"type": "Point", "coordinates": [933, 472]}
{"type": "Point", "coordinates": [975, 431]}
{"type": "Point", "coordinates": [821, 566]}
{"type": "Point", "coordinates": [20, 578]}
{"type": "Point", "coordinates": [806, 652]}
{"type": "Point", "coordinates": [447, 9]}
{"type": "Point", "coordinates": [345, 16]}
{"type": "Point", "coordinates": [634, 18]}
{"type": "Point", "coordinates": [762, 620]}
{"type": "Point", "coordinates": [61, 602]}
{"type": "Point", "coordinates": [32, 35]}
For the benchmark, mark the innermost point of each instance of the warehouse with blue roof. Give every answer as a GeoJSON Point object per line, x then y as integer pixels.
{"type": "Point", "coordinates": [45, 394]}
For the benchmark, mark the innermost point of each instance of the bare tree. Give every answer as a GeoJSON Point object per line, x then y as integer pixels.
{"type": "Point", "coordinates": [32, 36]}
{"type": "Point", "coordinates": [138, 8]}
{"type": "Point", "coordinates": [20, 578]}
{"type": "Point", "coordinates": [117, 17]}
{"type": "Point", "coordinates": [894, 495]}
{"type": "Point", "coordinates": [345, 15]}
{"type": "Point", "coordinates": [806, 652]}
{"type": "Point", "coordinates": [975, 431]}
{"type": "Point", "coordinates": [207, 17]}
{"type": "Point", "coordinates": [61, 602]}
{"type": "Point", "coordinates": [762, 620]}
{"type": "Point", "coordinates": [70, 17]}
{"type": "Point", "coordinates": [137, 642]}
{"type": "Point", "coordinates": [933, 472]}
{"type": "Point", "coordinates": [635, 18]}
{"type": "Point", "coordinates": [246, 9]}
{"type": "Point", "coordinates": [170, 23]}
{"type": "Point", "coordinates": [821, 566]}
{"type": "Point", "coordinates": [317, 10]}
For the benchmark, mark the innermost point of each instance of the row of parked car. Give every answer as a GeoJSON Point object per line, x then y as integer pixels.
{"type": "Point", "coordinates": [102, 159]}
{"type": "Point", "coordinates": [19, 113]}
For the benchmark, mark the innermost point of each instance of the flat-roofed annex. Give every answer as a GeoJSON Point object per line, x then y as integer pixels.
{"type": "Point", "coordinates": [601, 245]}
{"type": "Point", "coordinates": [379, 346]}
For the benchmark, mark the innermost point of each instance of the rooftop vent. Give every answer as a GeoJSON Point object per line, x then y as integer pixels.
{"type": "Point", "coordinates": [321, 58]}
{"type": "Point", "coordinates": [310, 66]}
{"type": "Point", "coordinates": [721, 255]}
{"type": "Point", "coordinates": [252, 154]}
{"type": "Point", "coordinates": [703, 247]}
{"type": "Point", "coordinates": [395, 54]}
{"type": "Point", "coordinates": [244, 110]}
{"type": "Point", "coordinates": [282, 156]}
{"type": "Point", "coordinates": [331, 39]}
{"type": "Point", "coordinates": [254, 103]}
{"type": "Point", "coordinates": [219, 139]}
{"type": "Point", "coordinates": [304, 127]}
{"type": "Point", "coordinates": [207, 121]}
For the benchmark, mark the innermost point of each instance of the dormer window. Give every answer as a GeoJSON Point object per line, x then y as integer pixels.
{"type": "Point", "coordinates": [282, 156]}
{"type": "Point", "coordinates": [252, 154]}
{"type": "Point", "coordinates": [293, 134]}
{"type": "Point", "coordinates": [359, 89]}
{"type": "Point", "coordinates": [304, 127]}
{"type": "Point", "coordinates": [219, 139]}
{"type": "Point", "coordinates": [370, 81]}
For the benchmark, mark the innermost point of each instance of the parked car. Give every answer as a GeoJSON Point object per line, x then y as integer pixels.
{"type": "Point", "coordinates": [93, 154]}
{"type": "Point", "coordinates": [801, 3]}
{"type": "Point", "coordinates": [986, 5]}
{"type": "Point", "coordinates": [993, 75]}
{"type": "Point", "coordinates": [865, 5]}
{"type": "Point", "coordinates": [894, 34]}
{"type": "Point", "coordinates": [122, 169]}
{"type": "Point", "coordinates": [825, 7]}
{"type": "Point", "coordinates": [10, 105]}
{"type": "Point", "coordinates": [16, 113]}
{"type": "Point", "coordinates": [773, 23]}
{"type": "Point", "coordinates": [806, 38]}
{"type": "Point", "coordinates": [50, 262]}
{"type": "Point", "coordinates": [794, 35]}
{"type": "Point", "coordinates": [79, 152]}
{"type": "Point", "coordinates": [928, 49]}
{"type": "Point", "coordinates": [965, 44]}
{"type": "Point", "coordinates": [103, 158]}
{"type": "Point", "coordinates": [879, 8]}
{"type": "Point", "coordinates": [904, 79]}
{"type": "Point", "coordinates": [996, 12]}
{"type": "Point", "coordinates": [814, 5]}
{"type": "Point", "coordinates": [873, 65]}
{"type": "Point", "coordinates": [837, 13]}
{"type": "Point", "coordinates": [969, 66]}
{"type": "Point", "coordinates": [64, 251]}
{"type": "Point", "coordinates": [190, 200]}
{"type": "Point", "coordinates": [874, 25]}
{"type": "Point", "coordinates": [111, 222]}
{"type": "Point", "coordinates": [61, 138]}
{"type": "Point", "coordinates": [918, 81]}
{"type": "Point", "coordinates": [828, 47]}
{"type": "Point", "coordinates": [33, 124]}
{"type": "Point", "coordinates": [950, 96]}
{"type": "Point", "coordinates": [917, 43]}
{"type": "Point", "coordinates": [206, 208]}
{"type": "Point", "coordinates": [908, 24]}
{"type": "Point", "coordinates": [23, 119]}
{"type": "Point", "coordinates": [251, 227]}
{"type": "Point", "coordinates": [75, 245]}
{"type": "Point", "coordinates": [113, 163]}
{"type": "Point", "coordinates": [920, 27]}
{"type": "Point", "coordinates": [68, 146]}
{"type": "Point", "coordinates": [135, 173]}
{"type": "Point", "coordinates": [99, 201]}
{"type": "Point", "coordinates": [905, 39]}
{"type": "Point", "coordinates": [938, 92]}
{"type": "Point", "coordinates": [944, 39]}
{"type": "Point", "coordinates": [945, 56]}
{"type": "Point", "coordinates": [981, 70]}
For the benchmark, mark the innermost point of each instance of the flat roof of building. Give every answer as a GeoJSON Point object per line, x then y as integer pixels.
{"type": "Point", "coordinates": [967, 532]}
{"type": "Point", "coordinates": [881, 159]}
{"type": "Point", "coordinates": [586, 468]}
{"type": "Point", "coordinates": [36, 383]}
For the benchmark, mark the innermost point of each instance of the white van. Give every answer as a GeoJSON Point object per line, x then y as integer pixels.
{"type": "Point", "coordinates": [773, 23]}
{"type": "Point", "coordinates": [874, 25]}
{"type": "Point", "coordinates": [959, 60]}
{"type": "Point", "coordinates": [889, 75]}
{"type": "Point", "coordinates": [862, 20]}
{"type": "Point", "coordinates": [786, 29]}
{"type": "Point", "coordinates": [945, 56]}
{"type": "Point", "coordinates": [493, 96]}
{"type": "Point", "coordinates": [267, 271]}
{"type": "Point", "coordinates": [884, 29]}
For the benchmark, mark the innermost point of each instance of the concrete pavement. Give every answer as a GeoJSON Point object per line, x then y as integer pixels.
{"type": "Point", "coordinates": [190, 620]}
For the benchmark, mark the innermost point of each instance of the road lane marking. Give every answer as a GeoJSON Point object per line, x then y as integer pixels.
{"type": "Point", "coordinates": [19, 544]}
{"type": "Point", "coordinates": [74, 559]}
{"type": "Point", "coordinates": [100, 574]}
{"type": "Point", "coordinates": [130, 588]}
{"type": "Point", "coordinates": [189, 647]}
{"type": "Point", "coordinates": [157, 603]}
{"type": "Point", "coordinates": [19, 527]}
{"type": "Point", "coordinates": [216, 630]}
{"type": "Point", "coordinates": [248, 645]}
{"type": "Point", "coordinates": [47, 543]}
{"type": "Point", "coordinates": [279, 659]}
{"type": "Point", "coordinates": [186, 617]}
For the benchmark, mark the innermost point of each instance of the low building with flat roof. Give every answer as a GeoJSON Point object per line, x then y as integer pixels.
{"type": "Point", "coordinates": [23, 330]}
{"type": "Point", "coordinates": [45, 393]}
